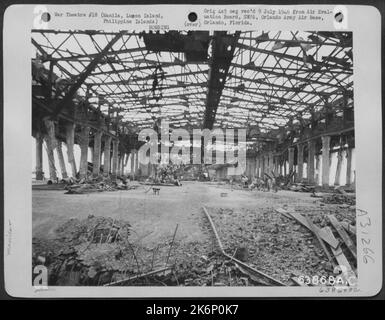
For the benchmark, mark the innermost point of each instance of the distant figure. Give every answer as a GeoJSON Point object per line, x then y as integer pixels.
{"type": "Point", "coordinates": [245, 181]}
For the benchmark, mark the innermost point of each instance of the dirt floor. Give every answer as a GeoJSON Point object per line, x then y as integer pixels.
{"type": "Point", "coordinates": [246, 221]}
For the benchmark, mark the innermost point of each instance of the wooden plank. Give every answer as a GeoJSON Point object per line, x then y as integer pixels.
{"type": "Point", "coordinates": [284, 213]}
{"type": "Point", "coordinates": [323, 235]}
{"type": "Point", "coordinates": [340, 257]}
{"type": "Point", "coordinates": [348, 227]}
{"type": "Point", "coordinates": [344, 235]}
{"type": "Point", "coordinates": [321, 242]}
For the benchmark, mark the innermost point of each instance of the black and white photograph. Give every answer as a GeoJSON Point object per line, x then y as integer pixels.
{"type": "Point", "coordinates": [276, 209]}
{"type": "Point", "coordinates": [192, 151]}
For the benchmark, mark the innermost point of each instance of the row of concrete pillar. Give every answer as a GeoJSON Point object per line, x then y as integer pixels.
{"type": "Point", "coordinates": [269, 162]}
{"type": "Point", "coordinates": [113, 166]}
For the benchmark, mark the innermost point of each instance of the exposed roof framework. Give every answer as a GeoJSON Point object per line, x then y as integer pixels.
{"type": "Point", "coordinates": [273, 77]}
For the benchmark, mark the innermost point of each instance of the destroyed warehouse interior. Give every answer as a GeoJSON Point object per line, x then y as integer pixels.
{"type": "Point", "coordinates": [103, 216]}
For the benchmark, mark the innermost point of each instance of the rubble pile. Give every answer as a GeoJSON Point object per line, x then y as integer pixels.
{"type": "Point", "coordinates": [300, 187]}
{"type": "Point", "coordinates": [99, 185]}
{"type": "Point", "coordinates": [270, 242]}
{"type": "Point", "coordinates": [100, 251]}
{"type": "Point", "coordinates": [211, 270]}
{"type": "Point", "coordinates": [84, 252]}
{"type": "Point", "coordinates": [336, 198]}
{"type": "Point", "coordinates": [169, 174]}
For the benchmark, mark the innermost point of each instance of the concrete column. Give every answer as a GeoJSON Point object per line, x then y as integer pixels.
{"type": "Point", "coordinates": [310, 161]}
{"type": "Point", "coordinates": [325, 160]}
{"type": "Point", "coordinates": [348, 166]}
{"type": "Point", "coordinates": [300, 162]}
{"type": "Point", "coordinates": [257, 167]}
{"type": "Point", "coordinates": [317, 167]}
{"type": "Point", "coordinates": [39, 156]}
{"type": "Point", "coordinates": [126, 161]}
{"type": "Point", "coordinates": [291, 159]}
{"type": "Point", "coordinates": [97, 152]}
{"type": "Point", "coordinates": [337, 179]}
{"type": "Point", "coordinates": [50, 127]}
{"type": "Point", "coordinates": [115, 145]}
{"type": "Point", "coordinates": [120, 161]}
{"type": "Point", "coordinates": [136, 161]}
{"type": "Point", "coordinates": [101, 154]}
{"type": "Point", "coordinates": [132, 164]}
{"type": "Point", "coordinates": [271, 163]}
{"type": "Point", "coordinates": [84, 141]}
{"type": "Point", "coordinates": [280, 166]}
{"type": "Point", "coordinates": [276, 165]}
{"type": "Point", "coordinates": [92, 154]}
{"type": "Point", "coordinates": [62, 164]}
{"type": "Point", "coordinates": [265, 164]}
{"type": "Point", "coordinates": [51, 159]}
{"type": "Point", "coordinates": [123, 164]}
{"type": "Point", "coordinates": [70, 141]}
{"type": "Point", "coordinates": [107, 157]}
{"type": "Point", "coordinates": [51, 144]}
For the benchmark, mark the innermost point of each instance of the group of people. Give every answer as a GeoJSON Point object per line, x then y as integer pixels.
{"type": "Point", "coordinates": [169, 174]}
{"type": "Point", "coordinates": [267, 183]}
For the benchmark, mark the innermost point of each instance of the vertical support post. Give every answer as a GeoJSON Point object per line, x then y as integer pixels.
{"type": "Point", "coordinates": [348, 166]}
{"type": "Point", "coordinates": [337, 179]}
{"type": "Point", "coordinates": [276, 165]}
{"type": "Point", "coordinates": [257, 163]}
{"type": "Point", "coordinates": [84, 141]}
{"type": "Point", "coordinates": [51, 143]}
{"type": "Point", "coordinates": [120, 160]}
{"type": "Point", "coordinates": [282, 164]}
{"type": "Point", "coordinates": [291, 159]}
{"type": "Point", "coordinates": [107, 157]}
{"type": "Point", "coordinates": [51, 160]}
{"type": "Point", "coordinates": [60, 156]}
{"type": "Point", "coordinates": [265, 165]}
{"type": "Point", "coordinates": [325, 160]}
{"type": "Point", "coordinates": [133, 164]}
{"type": "Point", "coordinates": [92, 154]}
{"type": "Point", "coordinates": [310, 161]}
{"type": "Point", "coordinates": [317, 167]}
{"type": "Point", "coordinates": [97, 152]}
{"type": "Point", "coordinates": [115, 145]}
{"type": "Point", "coordinates": [271, 163]}
{"type": "Point", "coordinates": [70, 141]}
{"type": "Point", "coordinates": [300, 148]}
{"type": "Point", "coordinates": [137, 162]}
{"type": "Point", "coordinates": [123, 164]}
{"type": "Point", "coordinates": [39, 156]}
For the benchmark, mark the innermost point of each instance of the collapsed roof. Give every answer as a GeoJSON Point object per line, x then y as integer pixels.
{"type": "Point", "coordinates": [257, 79]}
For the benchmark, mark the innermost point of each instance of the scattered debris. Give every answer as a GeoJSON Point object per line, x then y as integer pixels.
{"type": "Point", "coordinates": [257, 273]}
{"type": "Point", "coordinates": [345, 247]}
{"type": "Point", "coordinates": [335, 198]}
{"type": "Point", "coordinates": [99, 185]}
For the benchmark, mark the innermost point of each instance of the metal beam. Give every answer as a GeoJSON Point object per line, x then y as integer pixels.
{"type": "Point", "coordinates": [291, 57]}
{"type": "Point", "coordinates": [134, 81]}
{"type": "Point", "coordinates": [168, 87]}
{"type": "Point", "coordinates": [92, 55]}
{"type": "Point", "coordinates": [59, 105]}
{"type": "Point", "coordinates": [223, 46]}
